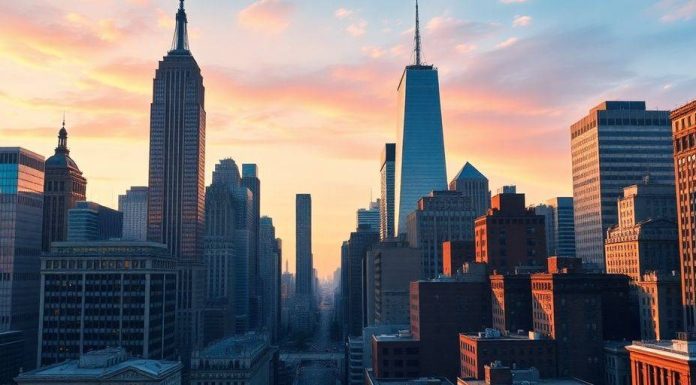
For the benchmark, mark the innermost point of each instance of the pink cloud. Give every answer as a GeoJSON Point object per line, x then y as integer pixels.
{"type": "Point", "coordinates": [521, 21]}
{"type": "Point", "coordinates": [357, 28]}
{"type": "Point", "coordinates": [677, 10]}
{"type": "Point", "coordinates": [270, 16]}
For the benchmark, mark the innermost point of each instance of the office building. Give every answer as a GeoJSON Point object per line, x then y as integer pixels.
{"type": "Point", "coordinates": [684, 128]}
{"type": "Point", "coordinates": [420, 149]}
{"type": "Point", "coordinates": [440, 216]}
{"type": "Point", "coordinates": [614, 146]}
{"type": "Point", "coordinates": [386, 202]}
{"type": "Point", "coordinates": [104, 294]}
{"type": "Point", "coordinates": [21, 211]}
{"type": "Point", "coordinates": [473, 184]}
{"type": "Point", "coordinates": [660, 307]}
{"type": "Point", "coordinates": [511, 296]}
{"type": "Point", "coordinates": [390, 266]}
{"type": "Point", "coordinates": [64, 186]}
{"type": "Point", "coordinates": [359, 243]}
{"type": "Point", "coordinates": [521, 351]}
{"type": "Point", "coordinates": [90, 221]}
{"type": "Point", "coordinates": [510, 235]}
{"type": "Point", "coordinates": [560, 226]}
{"type": "Point", "coordinates": [133, 205]}
{"type": "Point", "coordinates": [303, 245]}
{"type": "Point", "coordinates": [229, 219]}
{"type": "Point", "coordinates": [387, 349]}
{"type": "Point", "coordinates": [455, 254]}
{"type": "Point", "coordinates": [244, 359]}
{"type": "Point", "coordinates": [645, 237]}
{"type": "Point", "coordinates": [176, 200]}
{"type": "Point", "coordinates": [11, 355]}
{"type": "Point", "coordinates": [369, 216]}
{"type": "Point", "coordinates": [250, 180]}
{"type": "Point", "coordinates": [111, 366]}
{"type": "Point", "coordinates": [269, 276]}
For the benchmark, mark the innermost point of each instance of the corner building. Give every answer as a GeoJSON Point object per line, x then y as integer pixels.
{"type": "Point", "coordinates": [614, 146]}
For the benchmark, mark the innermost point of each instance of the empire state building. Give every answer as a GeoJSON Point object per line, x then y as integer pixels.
{"type": "Point", "coordinates": [176, 199]}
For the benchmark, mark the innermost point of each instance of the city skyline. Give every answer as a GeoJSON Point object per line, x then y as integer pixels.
{"type": "Point", "coordinates": [104, 83]}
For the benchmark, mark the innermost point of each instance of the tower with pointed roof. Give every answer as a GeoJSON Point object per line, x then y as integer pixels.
{"type": "Point", "coordinates": [64, 186]}
{"type": "Point", "coordinates": [176, 211]}
{"type": "Point", "coordinates": [420, 150]}
{"type": "Point", "coordinates": [473, 184]}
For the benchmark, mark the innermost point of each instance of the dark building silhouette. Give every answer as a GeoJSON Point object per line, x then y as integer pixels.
{"type": "Point", "coordinates": [270, 267]}
{"type": "Point", "coordinates": [11, 355]}
{"type": "Point", "coordinates": [511, 302]}
{"type": "Point", "coordinates": [64, 186]}
{"type": "Point", "coordinates": [250, 180]}
{"type": "Point", "coordinates": [386, 202]}
{"type": "Point", "coordinates": [21, 209]}
{"type": "Point", "coordinates": [359, 243]}
{"type": "Point", "coordinates": [303, 244]}
{"type": "Point", "coordinates": [89, 221]}
{"type": "Point", "coordinates": [510, 235]}
{"type": "Point", "coordinates": [176, 201]}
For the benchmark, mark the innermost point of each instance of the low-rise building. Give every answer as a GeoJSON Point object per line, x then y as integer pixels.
{"type": "Point", "coordinates": [663, 362]}
{"type": "Point", "coordinates": [499, 374]}
{"type": "Point", "coordinates": [616, 363]}
{"type": "Point", "coordinates": [105, 367]}
{"type": "Point", "coordinates": [396, 356]}
{"type": "Point", "coordinates": [371, 380]}
{"type": "Point", "coordinates": [245, 359]}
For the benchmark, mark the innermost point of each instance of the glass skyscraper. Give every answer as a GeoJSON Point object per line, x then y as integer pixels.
{"type": "Point", "coordinates": [176, 203]}
{"type": "Point", "coordinates": [420, 150]}
{"type": "Point", "coordinates": [386, 202]}
{"type": "Point", "coordinates": [21, 213]}
{"type": "Point", "coordinates": [616, 145]}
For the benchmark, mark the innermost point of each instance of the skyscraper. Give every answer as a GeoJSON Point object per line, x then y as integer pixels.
{"type": "Point", "coordinates": [420, 150]}
{"type": "Point", "coordinates": [64, 186]}
{"type": "Point", "coordinates": [614, 146]}
{"type": "Point", "coordinates": [370, 216]}
{"type": "Point", "coordinates": [250, 180]}
{"type": "Point", "coordinates": [21, 210]}
{"type": "Point", "coordinates": [386, 202]}
{"type": "Point", "coordinates": [473, 184]}
{"type": "Point", "coordinates": [176, 202]}
{"type": "Point", "coordinates": [269, 276]}
{"type": "Point", "coordinates": [560, 226]}
{"type": "Point", "coordinates": [229, 217]}
{"type": "Point", "coordinates": [133, 205]}
{"type": "Point", "coordinates": [303, 245]}
{"type": "Point", "coordinates": [684, 126]}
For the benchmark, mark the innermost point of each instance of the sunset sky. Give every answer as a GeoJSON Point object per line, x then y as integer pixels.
{"type": "Point", "coordinates": [307, 88]}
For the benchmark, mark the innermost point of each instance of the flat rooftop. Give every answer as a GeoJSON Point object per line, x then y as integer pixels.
{"type": "Point", "coordinates": [245, 346]}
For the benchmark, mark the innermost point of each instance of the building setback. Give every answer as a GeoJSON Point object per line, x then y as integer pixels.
{"type": "Point", "coordinates": [386, 202]}
{"type": "Point", "coordinates": [21, 210]}
{"type": "Point", "coordinates": [684, 128]}
{"type": "Point", "coordinates": [133, 205]}
{"type": "Point", "coordinates": [614, 146]}
{"type": "Point", "coordinates": [176, 199]}
{"type": "Point", "coordinates": [103, 294]}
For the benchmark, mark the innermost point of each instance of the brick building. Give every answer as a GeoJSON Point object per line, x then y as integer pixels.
{"type": "Point", "coordinates": [455, 254]}
{"type": "Point", "coordinates": [511, 302]}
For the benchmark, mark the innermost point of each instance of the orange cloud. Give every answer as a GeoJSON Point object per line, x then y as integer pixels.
{"type": "Point", "coordinates": [270, 16]}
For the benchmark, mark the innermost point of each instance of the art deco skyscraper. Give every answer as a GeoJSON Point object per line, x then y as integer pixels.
{"type": "Point", "coordinates": [64, 186]}
{"type": "Point", "coordinates": [420, 150]}
{"type": "Point", "coordinates": [386, 202]}
{"type": "Point", "coordinates": [177, 166]}
{"type": "Point", "coordinates": [614, 146]}
{"type": "Point", "coordinates": [303, 245]}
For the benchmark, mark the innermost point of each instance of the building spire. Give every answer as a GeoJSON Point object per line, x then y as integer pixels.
{"type": "Point", "coordinates": [63, 138]}
{"type": "Point", "coordinates": [418, 38]}
{"type": "Point", "coordinates": [180, 43]}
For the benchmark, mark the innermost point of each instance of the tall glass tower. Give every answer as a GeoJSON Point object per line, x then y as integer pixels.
{"type": "Point", "coordinates": [176, 201]}
{"type": "Point", "coordinates": [420, 150]}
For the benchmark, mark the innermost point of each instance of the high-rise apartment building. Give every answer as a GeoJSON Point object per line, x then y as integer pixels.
{"type": "Point", "coordinates": [176, 200]}
{"type": "Point", "coordinates": [90, 221]}
{"type": "Point", "coordinates": [133, 205]}
{"type": "Point", "coordinates": [270, 266]}
{"type": "Point", "coordinates": [229, 218]}
{"type": "Point", "coordinates": [370, 216]}
{"type": "Point", "coordinates": [510, 235]}
{"type": "Point", "coordinates": [560, 226]}
{"type": "Point", "coordinates": [21, 211]}
{"type": "Point", "coordinates": [614, 146]}
{"type": "Point", "coordinates": [386, 202]}
{"type": "Point", "coordinates": [440, 216]}
{"type": "Point", "coordinates": [684, 128]}
{"type": "Point", "coordinates": [303, 244]}
{"type": "Point", "coordinates": [96, 295]}
{"type": "Point", "coordinates": [473, 184]}
{"type": "Point", "coordinates": [420, 149]}
{"type": "Point", "coordinates": [250, 180]}
{"type": "Point", "coordinates": [64, 186]}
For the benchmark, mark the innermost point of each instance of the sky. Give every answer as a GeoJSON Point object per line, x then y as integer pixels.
{"type": "Point", "coordinates": [306, 89]}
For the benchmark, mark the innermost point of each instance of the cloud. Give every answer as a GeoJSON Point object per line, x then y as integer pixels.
{"type": "Point", "coordinates": [507, 43]}
{"type": "Point", "coordinates": [677, 10]}
{"type": "Point", "coordinates": [343, 13]}
{"type": "Point", "coordinates": [466, 48]}
{"type": "Point", "coordinates": [521, 21]}
{"type": "Point", "coordinates": [270, 16]}
{"type": "Point", "coordinates": [357, 28]}
{"type": "Point", "coordinates": [373, 52]}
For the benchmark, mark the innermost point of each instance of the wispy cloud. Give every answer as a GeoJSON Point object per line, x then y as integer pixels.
{"type": "Point", "coordinates": [677, 10]}
{"type": "Point", "coordinates": [269, 16]}
{"type": "Point", "coordinates": [343, 13]}
{"type": "Point", "coordinates": [507, 42]}
{"type": "Point", "coordinates": [357, 28]}
{"type": "Point", "coordinates": [521, 21]}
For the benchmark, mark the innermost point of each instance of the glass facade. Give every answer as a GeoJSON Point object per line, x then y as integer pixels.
{"type": "Point", "coordinates": [21, 214]}
{"type": "Point", "coordinates": [420, 150]}
{"type": "Point", "coordinates": [616, 145]}
{"type": "Point", "coordinates": [386, 202]}
{"type": "Point", "coordinates": [133, 205]}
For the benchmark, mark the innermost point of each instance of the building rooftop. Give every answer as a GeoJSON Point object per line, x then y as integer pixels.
{"type": "Point", "coordinates": [677, 349]}
{"type": "Point", "coordinates": [469, 172]}
{"type": "Point", "coordinates": [111, 247]}
{"type": "Point", "coordinates": [497, 335]}
{"type": "Point", "coordinates": [405, 381]}
{"type": "Point", "coordinates": [402, 335]}
{"type": "Point", "coordinates": [101, 364]}
{"type": "Point", "coordinates": [245, 346]}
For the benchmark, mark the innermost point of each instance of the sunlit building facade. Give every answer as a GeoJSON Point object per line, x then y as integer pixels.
{"type": "Point", "coordinates": [133, 205]}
